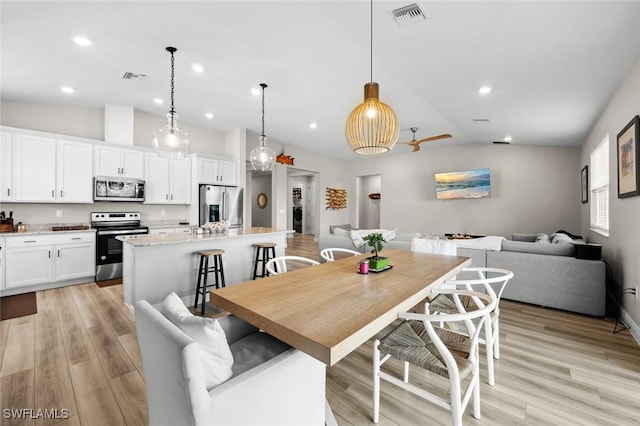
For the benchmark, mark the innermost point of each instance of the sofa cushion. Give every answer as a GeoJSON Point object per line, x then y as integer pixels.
{"type": "Point", "coordinates": [346, 226]}
{"type": "Point", "coordinates": [217, 360]}
{"type": "Point", "coordinates": [341, 232]}
{"type": "Point", "coordinates": [254, 349]}
{"type": "Point", "coordinates": [548, 249]}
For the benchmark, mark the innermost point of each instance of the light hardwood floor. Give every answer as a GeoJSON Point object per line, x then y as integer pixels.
{"type": "Point", "coordinates": [80, 353]}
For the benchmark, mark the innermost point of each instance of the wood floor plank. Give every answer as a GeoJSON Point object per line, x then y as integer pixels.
{"type": "Point", "coordinates": [114, 359]}
{"type": "Point", "coordinates": [130, 344]}
{"type": "Point", "coordinates": [96, 403]}
{"type": "Point", "coordinates": [113, 314]}
{"type": "Point", "coordinates": [130, 392]}
{"type": "Point", "coordinates": [76, 340]}
{"type": "Point", "coordinates": [19, 353]}
{"type": "Point", "coordinates": [47, 330]}
{"type": "Point", "coordinates": [17, 394]}
{"type": "Point", "coordinates": [84, 302]}
{"type": "Point", "coordinates": [53, 381]}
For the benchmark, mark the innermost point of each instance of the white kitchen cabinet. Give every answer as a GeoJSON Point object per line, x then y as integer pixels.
{"type": "Point", "coordinates": [6, 179]}
{"type": "Point", "coordinates": [74, 168]}
{"type": "Point", "coordinates": [113, 161]}
{"type": "Point", "coordinates": [217, 171]}
{"type": "Point", "coordinates": [75, 260]}
{"type": "Point", "coordinates": [29, 261]}
{"type": "Point", "coordinates": [42, 259]}
{"type": "Point", "coordinates": [34, 168]}
{"type": "Point", "coordinates": [167, 180]}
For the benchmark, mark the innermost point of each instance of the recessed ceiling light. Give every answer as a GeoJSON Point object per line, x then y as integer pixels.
{"type": "Point", "coordinates": [209, 116]}
{"type": "Point", "coordinates": [508, 138]}
{"type": "Point", "coordinates": [255, 91]}
{"type": "Point", "coordinates": [82, 41]}
{"type": "Point", "coordinates": [197, 68]}
{"type": "Point", "coordinates": [313, 126]}
{"type": "Point", "coordinates": [484, 90]}
{"type": "Point", "coordinates": [158, 101]}
{"type": "Point", "coordinates": [67, 89]}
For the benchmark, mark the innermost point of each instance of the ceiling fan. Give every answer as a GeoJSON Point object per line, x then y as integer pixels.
{"type": "Point", "coordinates": [416, 143]}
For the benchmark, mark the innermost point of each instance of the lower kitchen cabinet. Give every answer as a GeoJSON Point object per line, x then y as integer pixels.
{"type": "Point", "coordinates": [42, 259]}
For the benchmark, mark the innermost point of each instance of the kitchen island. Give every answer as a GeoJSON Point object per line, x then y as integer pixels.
{"type": "Point", "coordinates": [154, 265]}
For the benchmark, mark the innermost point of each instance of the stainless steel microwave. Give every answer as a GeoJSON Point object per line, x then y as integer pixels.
{"type": "Point", "coordinates": [117, 189]}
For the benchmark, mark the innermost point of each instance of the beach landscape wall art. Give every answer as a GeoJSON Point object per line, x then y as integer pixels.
{"type": "Point", "coordinates": [463, 185]}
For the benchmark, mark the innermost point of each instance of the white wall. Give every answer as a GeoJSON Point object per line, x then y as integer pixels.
{"type": "Point", "coordinates": [621, 250]}
{"type": "Point", "coordinates": [534, 189]}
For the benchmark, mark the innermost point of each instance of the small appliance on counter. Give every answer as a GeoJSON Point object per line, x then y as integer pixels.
{"type": "Point", "coordinates": [6, 223]}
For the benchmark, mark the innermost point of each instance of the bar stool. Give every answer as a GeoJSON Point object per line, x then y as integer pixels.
{"type": "Point", "coordinates": [203, 272]}
{"type": "Point", "coordinates": [264, 253]}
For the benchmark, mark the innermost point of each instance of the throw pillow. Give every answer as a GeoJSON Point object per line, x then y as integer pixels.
{"type": "Point", "coordinates": [543, 239]}
{"type": "Point", "coordinates": [208, 334]}
{"type": "Point", "coordinates": [341, 232]}
{"type": "Point", "coordinates": [559, 238]}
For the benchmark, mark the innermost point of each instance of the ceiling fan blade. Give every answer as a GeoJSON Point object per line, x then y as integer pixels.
{"type": "Point", "coordinates": [434, 138]}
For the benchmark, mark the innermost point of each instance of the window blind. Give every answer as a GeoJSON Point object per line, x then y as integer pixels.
{"type": "Point", "coordinates": [600, 188]}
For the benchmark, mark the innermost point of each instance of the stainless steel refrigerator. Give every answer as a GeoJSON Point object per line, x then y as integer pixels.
{"type": "Point", "coordinates": [218, 203]}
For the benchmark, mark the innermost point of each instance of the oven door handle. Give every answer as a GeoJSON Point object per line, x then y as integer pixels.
{"type": "Point", "coordinates": [122, 232]}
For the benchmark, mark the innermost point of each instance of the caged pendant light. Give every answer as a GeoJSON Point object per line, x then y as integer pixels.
{"type": "Point", "coordinates": [170, 140]}
{"type": "Point", "coordinates": [372, 126]}
{"type": "Point", "coordinates": [262, 157]}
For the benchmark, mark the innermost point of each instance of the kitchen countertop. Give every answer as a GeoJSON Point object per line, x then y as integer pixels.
{"type": "Point", "coordinates": [148, 240]}
{"type": "Point", "coordinates": [44, 232]}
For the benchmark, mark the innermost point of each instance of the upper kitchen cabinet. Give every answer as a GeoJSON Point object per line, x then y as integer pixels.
{"type": "Point", "coordinates": [113, 161]}
{"type": "Point", "coordinates": [6, 186]}
{"type": "Point", "coordinates": [34, 168]}
{"type": "Point", "coordinates": [168, 180]}
{"type": "Point", "coordinates": [217, 171]}
{"type": "Point", "coordinates": [74, 168]}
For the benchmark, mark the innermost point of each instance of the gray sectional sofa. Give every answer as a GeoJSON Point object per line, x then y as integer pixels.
{"type": "Point", "coordinates": [545, 273]}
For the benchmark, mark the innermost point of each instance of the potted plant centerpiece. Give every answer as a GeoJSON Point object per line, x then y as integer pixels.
{"type": "Point", "coordinates": [376, 242]}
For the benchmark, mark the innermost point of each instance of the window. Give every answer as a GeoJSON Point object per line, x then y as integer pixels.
{"type": "Point", "coordinates": [600, 188]}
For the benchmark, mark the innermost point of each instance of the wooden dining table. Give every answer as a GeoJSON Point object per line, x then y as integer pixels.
{"type": "Point", "coordinates": [328, 310]}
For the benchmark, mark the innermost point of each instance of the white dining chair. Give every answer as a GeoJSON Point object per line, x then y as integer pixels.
{"type": "Point", "coordinates": [419, 340]}
{"type": "Point", "coordinates": [491, 281]}
{"type": "Point", "coordinates": [282, 264]}
{"type": "Point", "coordinates": [328, 254]}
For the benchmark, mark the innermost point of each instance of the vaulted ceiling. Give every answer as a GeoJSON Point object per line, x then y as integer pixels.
{"type": "Point", "coordinates": [553, 66]}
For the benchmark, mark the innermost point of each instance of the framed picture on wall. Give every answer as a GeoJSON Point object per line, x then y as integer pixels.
{"type": "Point", "coordinates": [584, 184]}
{"type": "Point", "coordinates": [628, 159]}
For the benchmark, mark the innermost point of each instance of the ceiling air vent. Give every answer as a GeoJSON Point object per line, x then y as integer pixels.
{"type": "Point", "coordinates": [409, 14]}
{"type": "Point", "coordinates": [501, 142]}
{"type": "Point", "coordinates": [133, 76]}
{"type": "Point", "coordinates": [480, 120]}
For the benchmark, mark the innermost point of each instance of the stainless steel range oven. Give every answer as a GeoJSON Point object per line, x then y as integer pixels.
{"type": "Point", "coordinates": [108, 226]}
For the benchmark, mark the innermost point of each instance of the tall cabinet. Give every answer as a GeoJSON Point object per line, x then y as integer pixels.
{"type": "Point", "coordinates": [168, 180]}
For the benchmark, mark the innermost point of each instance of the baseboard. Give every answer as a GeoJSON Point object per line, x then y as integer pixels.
{"type": "Point", "coordinates": [634, 329]}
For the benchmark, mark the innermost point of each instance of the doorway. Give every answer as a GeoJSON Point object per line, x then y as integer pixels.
{"type": "Point", "coordinates": [301, 216]}
{"type": "Point", "coordinates": [368, 211]}
{"type": "Point", "coordinates": [259, 197]}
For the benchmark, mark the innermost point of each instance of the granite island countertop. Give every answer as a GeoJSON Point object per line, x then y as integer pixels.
{"type": "Point", "coordinates": [148, 240]}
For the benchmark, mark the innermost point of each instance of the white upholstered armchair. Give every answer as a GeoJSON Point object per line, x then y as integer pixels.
{"type": "Point", "coordinates": [286, 389]}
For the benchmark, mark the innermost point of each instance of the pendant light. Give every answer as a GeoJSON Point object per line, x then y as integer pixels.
{"type": "Point", "coordinates": [262, 157]}
{"type": "Point", "coordinates": [170, 140]}
{"type": "Point", "coordinates": [372, 126]}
